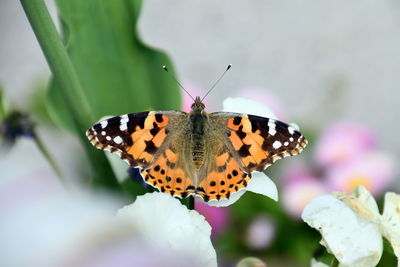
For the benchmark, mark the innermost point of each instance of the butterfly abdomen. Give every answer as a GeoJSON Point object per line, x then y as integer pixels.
{"type": "Point", "coordinates": [198, 121]}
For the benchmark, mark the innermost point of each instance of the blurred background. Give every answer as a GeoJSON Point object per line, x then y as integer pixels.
{"type": "Point", "coordinates": [330, 66]}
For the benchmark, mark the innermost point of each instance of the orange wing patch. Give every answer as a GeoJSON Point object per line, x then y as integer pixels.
{"type": "Point", "coordinates": [136, 137]}
{"type": "Point", "coordinates": [259, 141]}
{"type": "Point", "coordinates": [224, 180]}
{"type": "Point", "coordinates": [167, 177]}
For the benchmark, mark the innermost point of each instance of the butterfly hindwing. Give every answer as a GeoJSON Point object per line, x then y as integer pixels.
{"type": "Point", "coordinates": [137, 137]}
{"type": "Point", "coordinates": [225, 176]}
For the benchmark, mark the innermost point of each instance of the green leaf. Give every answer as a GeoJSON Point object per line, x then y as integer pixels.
{"type": "Point", "coordinates": [118, 73]}
{"type": "Point", "coordinates": [2, 105]}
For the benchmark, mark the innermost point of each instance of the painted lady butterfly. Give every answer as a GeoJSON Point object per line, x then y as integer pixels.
{"type": "Point", "coordinates": [211, 155]}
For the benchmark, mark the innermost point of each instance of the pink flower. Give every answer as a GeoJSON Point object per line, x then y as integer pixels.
{"type": "Point", "coordinates": [194, 90]}
{"type": "Point", "coordinates": [261, 232]}
{"type": "Point", "coordinates": [217, 217]}
{"type": "Point", "coordinates": [300, 186]}
{"type": "Point", "coordinates": [375, 171]}
{"type": "Point", "coordinates": [342, 142]}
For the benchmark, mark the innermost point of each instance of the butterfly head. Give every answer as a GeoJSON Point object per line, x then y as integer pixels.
{"type": "Point", "coordinates": [198, 105]}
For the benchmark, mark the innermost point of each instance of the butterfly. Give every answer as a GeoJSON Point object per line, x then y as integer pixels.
{"type": "Point", "coordinates": [210, 155]}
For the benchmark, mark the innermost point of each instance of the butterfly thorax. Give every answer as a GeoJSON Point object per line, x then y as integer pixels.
{"type": "Point", "coordinates": [198, 119]}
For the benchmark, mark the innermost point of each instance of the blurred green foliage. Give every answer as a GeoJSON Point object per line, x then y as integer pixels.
{"type": "Point", "coordinates": [294, 239]}
{"type": "Point", "coordinates": [117, 72]}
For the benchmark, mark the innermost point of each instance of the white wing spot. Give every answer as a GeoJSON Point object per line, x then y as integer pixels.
{"type": "Point", "coordinates": [108, 138]}
{"type": "Point", "coordinates": [124, 122]}
{"type": "Point", "coordinates": [123, 127]}
{"type": "Point", "coordinates": [291, 139]}
{"type": "Point", "coordinates": [104, 124]}
{"type": "Point", "coordinates": [272, 131]}
{"type": "Point", "coordinates": [291, 130]}
{"type": "Point", "coordinates": [286, 143]}
{"type": "Point", "coordinates": [103, 133]}
{"type": "Point", "coordinates": [271, 127]}
{"type": "Point", "coordinates": [124, 119]}
{"type": "Point", "coordinates": [277, 144]}
{"type": "Point", "coordinates": [118, 139]}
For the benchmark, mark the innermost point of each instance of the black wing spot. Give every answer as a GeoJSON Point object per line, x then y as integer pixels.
{"type": "Point", "coordinates": [241, 134]}
{"type": "Point", "coordinates": [150, 147]}
{"type": "Point", "coordinates": [159, 117]}
{"type": "Point", "coordinates": [237, 120]}
{"type": "Point", "coordinates": [155, 130]}
{"type": "Point", "coordinates": [244, 151]}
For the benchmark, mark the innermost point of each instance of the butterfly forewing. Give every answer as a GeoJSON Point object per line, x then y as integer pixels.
{"type": "Point", "coordinates": [258, 142]}
{"type": "Point", "coordinates": [137, 137]}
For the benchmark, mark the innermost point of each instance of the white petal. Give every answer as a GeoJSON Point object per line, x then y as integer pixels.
{"type": "Point", "coordinates": [248, 106]}
{"type": "Point", "coordinates": [167, 224]}
{"type": "Point", "coordinates": [315, 263]}
{"type": "Point", "coordinates": [119, 166]}
{"type": "Point", "coordinates": [391, 221]}
{"type": "Point", "coordinates": [295, 125]}
{"type": "Point", "coordinates": [259, 183]}
{"type": "Point", "coordinates": [362, 202]}
{"type": "Point", "coordinates": [225, 202]}
{"type": "Point", "coordinates": [262, 184]}
{"type": "Point", "coordinates": [353, 240]}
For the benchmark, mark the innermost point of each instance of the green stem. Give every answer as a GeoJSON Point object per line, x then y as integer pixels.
{"type": "Point", "coordinates": [2, 108]}
{"type": "Point", "coordinates": [188, 202]}
{"type": "Point", "coordinates": [67, 82]}
{"type": "Point", "coordinates": [191, 203]}
{"type": "Point", "coordinates": [334, 263]}
{"type": "Point", "coordinates": [50, 159]}
{"type": "Point", "coordinates": [59, 61]}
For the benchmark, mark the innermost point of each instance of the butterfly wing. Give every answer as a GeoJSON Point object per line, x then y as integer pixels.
{"type": "Point", "coordinates": [223, 175]}
{"type": "Point", "coordinates": [247, 143]}
{"type": "Point", "coordinates": [137, 138]}
{"type": "Point", "coordinates": [153, 141]}
{"type": "Point", "coordinates": [258, 142]}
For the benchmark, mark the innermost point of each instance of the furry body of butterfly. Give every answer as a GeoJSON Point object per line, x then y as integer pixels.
{"type": "Point", "coordinates": [211, 155]}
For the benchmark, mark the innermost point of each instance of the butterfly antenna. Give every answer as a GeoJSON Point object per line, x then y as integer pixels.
{"type": "Point", "coordinates": [173, 77]}
{"type": "Point", "coordinates": [212, 87]}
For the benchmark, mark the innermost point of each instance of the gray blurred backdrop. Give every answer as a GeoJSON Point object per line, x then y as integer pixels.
{"type": "Point", "coordinates": [325, 60]}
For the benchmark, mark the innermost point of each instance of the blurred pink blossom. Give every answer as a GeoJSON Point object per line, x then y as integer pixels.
{"type": "Point", "coordinates": [300, 186]}
{"type": "Point", "coordinates": [194, 90]}
{"type": "Point", "coordinates": [217, 217]}
{"type": "Point", "coordinates": [342, 142]}
{"type": "Point", "coordinates": [261, 232]}
{"type": "Point", "coordinates": [374, 170]}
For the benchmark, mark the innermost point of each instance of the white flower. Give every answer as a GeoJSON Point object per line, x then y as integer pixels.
{"type": "Point", "coordinates": [315, 263]}
{"type": "Point", "coordinates": [351, 226]}
{"type": "Point", "coordinates": [248, 106]}
{"type": "Point", "coordinates": [50, 226]}
{"type": "Point", "coordinates": [390, 221]}
{"type": "Point", "coordinates": [169, 226]}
